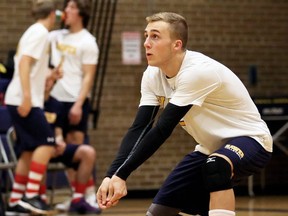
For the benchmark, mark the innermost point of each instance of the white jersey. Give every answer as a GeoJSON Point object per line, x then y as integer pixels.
{"type": "Point", "coordinates": [222, 107]}
{"type": "Point", "coordinates": [33, 43]}
{"type": "Point", "coordinates": [73, 50]}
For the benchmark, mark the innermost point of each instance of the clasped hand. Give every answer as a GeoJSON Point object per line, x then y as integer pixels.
{"type": "Point", "coordinates": [110, 191]}
{"type": "Point", "coordinates": [59, 148]}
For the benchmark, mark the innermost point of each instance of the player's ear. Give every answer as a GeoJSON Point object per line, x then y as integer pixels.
{"type": "Point", "coordinates": [178, 44]}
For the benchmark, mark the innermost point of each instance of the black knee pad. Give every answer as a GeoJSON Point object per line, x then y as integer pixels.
{"type": "Point", "coordinates": [217, 174]}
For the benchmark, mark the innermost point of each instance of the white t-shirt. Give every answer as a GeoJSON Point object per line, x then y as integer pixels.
{"type": "Point", "coordinates": [75, 50]}
{"type": "Point", "coordinates": [222, 107]}
{"type": "Point", "coordinates": [33, 43]}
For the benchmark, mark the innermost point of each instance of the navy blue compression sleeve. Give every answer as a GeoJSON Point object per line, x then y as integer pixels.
{"type": "Point", "coordinates": [168, 120]}
{"type": "Point", "coordinates": [142, 124]}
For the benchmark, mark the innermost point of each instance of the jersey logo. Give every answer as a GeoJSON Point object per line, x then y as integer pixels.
{"type": "Point", "coordinates": [210, 159]}
{"type": "Point", "coordinates": [235, 149]}
{"type": "Point", "coordinates": [182, 123]}
{"type": "Point", "coordinates": [50, 117]}
{"type": "Point", "coordinates": [50, 139]}
{"type": "Point", "coordinates": [66, 48]}
{"type": "Point", "coordinates": [161, 100]}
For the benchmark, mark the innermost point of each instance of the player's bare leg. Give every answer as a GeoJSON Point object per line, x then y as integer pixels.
{"type": "Point", "coordinates": [161, 210]}
{"type": "Point", "coordinates": [222, 200]}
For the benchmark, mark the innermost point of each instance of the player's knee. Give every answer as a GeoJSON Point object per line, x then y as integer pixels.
{"type": "Point", "coordinates": [149, 213]}
{"type": "Point", "coordinates": [91, 152]}
{"type": "Point", "coordinates": [160, 210]}
{"type": "Point", "coordinates": [150, 210]}
{"type": "Point", "coordinates": [217, 174]}
{"type": "Point", "coordinates": [87, 151]}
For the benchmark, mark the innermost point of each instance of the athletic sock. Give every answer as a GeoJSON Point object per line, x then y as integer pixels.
{"type": "Point", "coordinates": [35, 176]}
{"type": "Point", "coordinates": [42, 192]}
{"type": "Point", "coordinates": [221, 212]}
{"type": "Point", "coordinates": [90, 187]}
{"type": "Point", "coordinates": [79, 192]}
{"type": "Point", "coordinates": [18, 189]}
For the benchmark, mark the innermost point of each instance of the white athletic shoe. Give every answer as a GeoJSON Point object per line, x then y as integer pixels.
{"type": "Point", "coordinates": [64, 206]}
{"type": "Point", "coordinates": [91, 199]}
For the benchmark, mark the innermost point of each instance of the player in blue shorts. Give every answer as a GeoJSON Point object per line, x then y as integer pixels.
{"type": "Point", "coordinates": [76, 49]}
{"type": "Point", "coordinates": [81, 158]}
{"type": "Point", "coordinates": [25, 99]}
{"type": "Point", "coordinates": [212, 105]}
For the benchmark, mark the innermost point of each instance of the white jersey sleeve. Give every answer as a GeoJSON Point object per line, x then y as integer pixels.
{"type": "Point", "coordinates": [90, 52]}
{"type": "Point", "coordinates": [148, 85]}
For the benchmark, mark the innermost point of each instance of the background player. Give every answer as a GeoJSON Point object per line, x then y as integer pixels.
{"type": "Point", "coordinates": [25, 99]}
{"type": "Point", "coordinates": [78, 50]}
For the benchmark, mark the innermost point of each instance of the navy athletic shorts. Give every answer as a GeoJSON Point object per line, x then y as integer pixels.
{"type": "Point", "coordinates": [184, 188]}
{"type": "Point", "coordinates": [67, 157]}
{"type": "Point", "coordinates": [32, 130]}
{"type": "Point", "coordinates": [63, 122]}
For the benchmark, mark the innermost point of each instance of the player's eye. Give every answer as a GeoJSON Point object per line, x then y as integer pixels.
{"type": "Point", "coordinates": [154, 36]}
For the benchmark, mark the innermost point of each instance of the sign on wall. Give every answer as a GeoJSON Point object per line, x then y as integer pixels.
{"type": "Point", "coordinates": [131, 48]}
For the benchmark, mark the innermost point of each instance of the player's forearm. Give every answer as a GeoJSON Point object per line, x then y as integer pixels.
{"type": "Point", "coordinates": [168, 120]}
{"type": "Point", "coordinates": [24, 73]}
{"type": "Point", "coordinates": [129, 142]}
{"type": "Point", "coordinates": [50, 82]}
{"type": "Point", "coordinates": [87, 83]}
{"type": "Point", "coordinates": [140, 153]}
{"type": "Point", "coordinates": [141, 125]}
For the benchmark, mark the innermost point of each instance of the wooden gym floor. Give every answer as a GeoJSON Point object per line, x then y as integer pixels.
{"type": "Point", "coordinates": [245, 206]}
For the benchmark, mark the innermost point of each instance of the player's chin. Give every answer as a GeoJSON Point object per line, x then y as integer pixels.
{"type": "Point", "coordinates": [151, 63]}
{"type": "Point", "coordinates": [67, 25]}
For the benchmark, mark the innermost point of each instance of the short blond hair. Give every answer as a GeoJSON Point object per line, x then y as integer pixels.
{"type": "Point", "coordinates": [178, 25]}
{"type": "Point", "coordinates": [42, 8]}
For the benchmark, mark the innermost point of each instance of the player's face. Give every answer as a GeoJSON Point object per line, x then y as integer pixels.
{"type": "Point", "coordinates": [158, 44]}
{"type": "Point", "coordinates": [71, 13]}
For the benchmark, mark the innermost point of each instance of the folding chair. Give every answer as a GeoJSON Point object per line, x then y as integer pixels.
{"type": "Point", "coordinates": [53, 169]}
{"type": "Point", "coordinates": [8, 157]}
{"type": "Point", "coordinates": [5, 124]}
{"type": "Point", "coordinates": [7, 164]}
